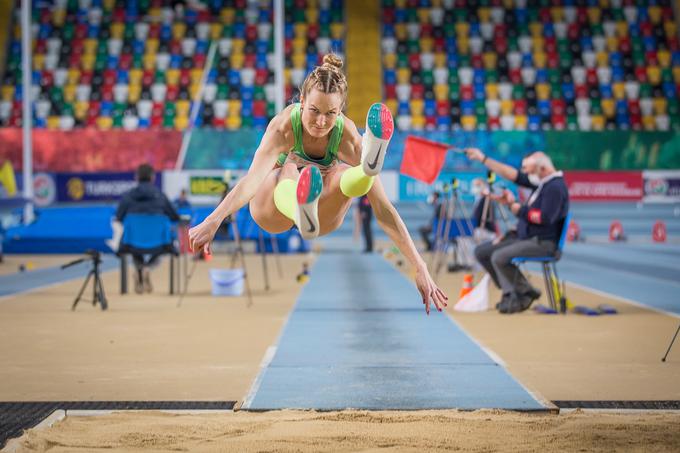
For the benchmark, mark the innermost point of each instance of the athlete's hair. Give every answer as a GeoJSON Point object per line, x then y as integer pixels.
{"type": "Point", "coordinates": [327, 78]}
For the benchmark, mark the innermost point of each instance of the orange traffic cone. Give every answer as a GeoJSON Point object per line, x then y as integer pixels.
{"type": "Point", "coordinates": [467, 286]}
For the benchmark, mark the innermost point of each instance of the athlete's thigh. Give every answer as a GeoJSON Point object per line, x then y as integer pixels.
{"type": "Point", "coordinates": [333, 204]}
{"type": "Point", "coordinates": [264, 211]}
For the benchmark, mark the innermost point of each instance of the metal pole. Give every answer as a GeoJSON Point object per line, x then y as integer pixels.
{"type": "Point", "coordinates": [279, 55]}
{"type": "Point", "coordinates": [27, 120]}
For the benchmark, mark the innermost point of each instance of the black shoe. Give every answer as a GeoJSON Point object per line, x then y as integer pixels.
{"type": "Point", "coordinates": [516, 304]}
{"type": "Point", "coordinates": [139, 282]}
{"type": "Point", "coordinates": [532, 294]}
{"type": "Point", "coordinates": [503, 303]}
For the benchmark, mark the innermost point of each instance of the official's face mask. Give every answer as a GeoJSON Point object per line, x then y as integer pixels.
{"type": "Point", "coordinates": [534, 179]}
{"type": "Point", "coordinates": [476, 190]}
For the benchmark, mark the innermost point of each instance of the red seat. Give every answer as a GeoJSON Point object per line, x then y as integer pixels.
{"type": "Point", "coordinates": [172, 93]}
{"type": "Point", "coordinates": [251, 32]}
{"type": "Point", "coordinates": [558, 107]}
{"type": "Point", "coordinates": [261, 76]}
{"type": "Point", "coordinates": [259, 108]}
{"type": "Point", "coordinates": [559, 121]}
{"type": "Point", "coordinates": [443, 108]}
{"type": "Point", "coordinates": [390, 91]}
{"type": "Point", "coordinates": [520, 107]}
{"type": "Point", "coordinates": [641, 74]}
{"type": "Point", "coordinates": [184, 77]}
{"type": "Point", "coordinates": [477, 61]}
{"type": "Point", "coordinates": [250, 60]}
{"type": "Point", "coordinates": [414, 62]}
{"type": "Point", "coordinates": [86, 77]}
{"type": "Point", "coordinates": [581, 91]}
{"type": "Point", "coordinates": [591, 76]}
{"type": "Point", "coordinates": [417, 91]}
{"type": "Point", "coordinates": [147, 77]}
{"type": "Point", "coordinates": [634, 107]}
{"type": "Point", "coordinates": [467, 92]}
{"type": "Point", "coordinates": [515, 76]}
{"type": "Point", "coordinates": [125, 61]}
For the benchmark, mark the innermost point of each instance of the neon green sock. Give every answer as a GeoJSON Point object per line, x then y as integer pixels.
{"type": "Point", "coordinates": [355, 183]}
{"type": "Point", "coordinates": [285, 197]}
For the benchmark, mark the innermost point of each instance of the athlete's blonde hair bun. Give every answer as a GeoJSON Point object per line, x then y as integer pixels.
{"type": "Point", "coordinates": [332, 60]}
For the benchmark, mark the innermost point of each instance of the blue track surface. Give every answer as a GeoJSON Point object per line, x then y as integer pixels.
{"type": "Point", "coordinates": [645, 273]}
{"type": "Point", "coordinates": [359, 338]}
{"type": "Point", "coordinates": [30, 280]}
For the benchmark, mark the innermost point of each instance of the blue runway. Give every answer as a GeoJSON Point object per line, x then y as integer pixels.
{"type": "Point", "coordinates": [359, 338]}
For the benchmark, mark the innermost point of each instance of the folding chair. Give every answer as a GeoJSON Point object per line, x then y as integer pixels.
{"type": "Point", "coordinates": [146, 234]}
{"type": "Point", "coordinates": [549, 266]}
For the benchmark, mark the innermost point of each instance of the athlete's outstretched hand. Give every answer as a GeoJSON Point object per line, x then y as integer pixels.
{"type": "Point", "coordinates": [201, 235]}
{"type": "Point", "coordinates": [430, 291]}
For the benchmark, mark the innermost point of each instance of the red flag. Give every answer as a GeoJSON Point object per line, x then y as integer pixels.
{"type": "Point", "coordinates": [423, 159]}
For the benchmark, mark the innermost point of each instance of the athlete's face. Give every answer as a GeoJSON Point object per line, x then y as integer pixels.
{"type": "Point", "coordinates": [319, 112]}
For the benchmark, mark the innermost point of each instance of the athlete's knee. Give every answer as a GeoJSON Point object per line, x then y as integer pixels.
{"type": "Point", "coordinates": [289, 171]}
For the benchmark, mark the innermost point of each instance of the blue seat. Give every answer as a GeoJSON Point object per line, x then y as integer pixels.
{"type": "Point", "coordinates": [548, 263]}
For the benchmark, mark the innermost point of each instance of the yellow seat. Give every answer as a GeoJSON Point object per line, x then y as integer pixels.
{"type": "Point", "coordinates": [536, 29]}
{"type": "Point", "coordinates": [7, 93]}
{"type": "Point", "coordinates": [654, 75]}
{"type": "Point", "coordinates": [463, 45]}
{"type": "Point", "coordinates": [389, 60]}
{"type": "Point", "coordinates": [426, 44]}
{"type": "Point", "coordinates": [73, 76]}
{"type": "Point", "coordinates": [557, 13]}
{"type": "Point", "coordinates": [676, 74]}
{"type": "Point", "coordinates": [542, 91]}
{"type": "Point", "coordinates": [417, 122]}
{"type": "Point", "coordinates": [597, 122]}
{"type": "Point", "coordinates": [234, 108]}
{"type": "Point", "coordinates": [521, 122]}
{"type": "Point", "coordinates": [183, 107]}
{"type": "Point", "coordinates": [178, 30]}
{"type": "Point", "coordinates": [400, 31]}
{"type": "Point", "coordinates": [649, 123]}
{"type": "Point", "coordinates": [58, 17]}
{"type": "Point", "coordinates": [134, 93]}
{"type": "Point", "coordinates": [619, 89]}
{"type": "Point", "coordinates": [540, 59]}
{"type": "Point", "coordinates": [654, 14]}
{"type": "Point", "coordinates": [104, 123]}
{"type": "Point", "coordinates": [215, 31]}
{"type": "Point", "coordinates": [90, 46]}
{"type": "Point", "coordinates": [300, 30]}
{"type": "Point", "coordinates": [490, 60]}
{"type": "Point", "coordinates": [622, 28]}
{"type": "Point", "coordinates": [506, 106]}
{"type": "Point", "coordinates": [484, 14]}
{"type": "Point", "coordinates": [300, 45]}
{"type": "Point", "coordinates": [670, 28]}
{"type": "Point", "coordinates": [233, 122]}
{"type": "Point", "coordinates": [400, 4]}
{"type": "Point", "coordinates": [135, 76]}
{"type": "Point", "coordinates": [237, 45]}
{"type": "Point", "coordinates": [53, 122]}
{"type": "Point", "coordinates": [181, 122]}
{"type": "Point", "coordinates": [469, 122]}
{"type": "Point", "coordinates": [172, 77]}
{"type": "Point", "coordinates": [602, 59]}
{"type": "Point", "coordinates": [149, 61]}
{"type": "Point", "coordinates": [491, 91]}
{"type": "Point", "coordinates": [417, 107]}
{"type": "Point", "coordinates": [117, 29]}
{"type": "Point", "coordinates": [462, 29]}
{"type": "Point", "coordinates": [612, 43]}
{"type": "Point", "coordinates": [237, 60]}
{"type": "Point", "coordinates": [38, 62]}
{"type": "Point", "coordinates": [195, 75]}
{"type": "Point", "coordinates": [440, 59]}
{"type": "Point", "coordinates": [664, 57]}
{"type": "Point", "coordinates": [155, 12]}
{"type": "Point", "coordinates": [110, 4]}
{"type": "Point", "coordinates": [227, 16]}
{"type": "Point", "coordinates": [69, 93]}
{"type": "Point", "coordinates": [299, 61]}
{"type": "Point", "coordinates": [87, 62]}
{"type": "Point", "coordinates": [151, 46]}
{"type": "Point", "coordinates": [193, 90]}
{"type": "Point", "coordinates": [80, 109]}
{"type": "Point", "coordinates": [608, 108]}
{"type": "Point", "coordinates": [337, 30]}
{"type": "Point", "coordinates": [441, 92]}
{"type": "Point", "coordinates": [393, 105]}
{"type": "Point", "coordinates": [594, 14]}
{"type": "Point", "coordinates": [312, 15]}
{"type": "Point", "coordinates": [660, 105]}
{"type": "Point", "coordinates": [403, 75]}
{"type": "Point", "coordinates": [423, 15]}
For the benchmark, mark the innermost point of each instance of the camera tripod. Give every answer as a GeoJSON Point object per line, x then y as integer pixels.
{"type": "Point", "coordinates": [98, 295]}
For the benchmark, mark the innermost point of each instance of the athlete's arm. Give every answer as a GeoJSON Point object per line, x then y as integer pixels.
{"type": "Point", "coordinates": [273, 143]}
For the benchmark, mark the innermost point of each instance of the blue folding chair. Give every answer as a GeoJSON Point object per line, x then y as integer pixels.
{"type": "Point", "coordinates": [144, 234]}
{"type": "Point", "coordinates": [549, 265]}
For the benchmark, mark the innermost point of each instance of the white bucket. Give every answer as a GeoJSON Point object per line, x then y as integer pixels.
{"type": "Point", "coordinates": [226, 282]}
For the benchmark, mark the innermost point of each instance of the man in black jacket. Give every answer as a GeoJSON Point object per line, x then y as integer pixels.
{"type": "Point", "coordinates": [539, 225]}
{"type": "Point", "coordinates": [145, 198]}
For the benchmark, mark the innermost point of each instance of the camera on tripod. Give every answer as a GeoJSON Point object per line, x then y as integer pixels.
{"type": "Point", "coordinates": [98, 288]}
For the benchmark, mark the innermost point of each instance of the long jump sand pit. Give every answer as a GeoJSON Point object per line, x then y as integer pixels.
{"type": "Point", "coordinates": [308, 431]}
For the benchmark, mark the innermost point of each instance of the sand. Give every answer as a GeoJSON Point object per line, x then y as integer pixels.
{"type": "Point", "coordinates": [479, 431]}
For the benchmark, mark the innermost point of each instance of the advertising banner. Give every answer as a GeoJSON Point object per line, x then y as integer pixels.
{"type": "Point", "coordinates": [87, 187]}
{"type": "Point", "coordinates": [661, 186]}
{"type": "Point", "coordinates": [604, 185]}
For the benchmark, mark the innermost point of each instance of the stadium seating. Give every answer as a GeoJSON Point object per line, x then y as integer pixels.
{"type": "Point", "coordinates": [138, 64]}
{"type": "Point", "coordinates": [516, 65]}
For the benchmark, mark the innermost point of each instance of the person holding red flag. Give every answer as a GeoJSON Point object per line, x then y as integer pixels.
{"type": "Point", "coordinates": [539, 224]}
{"type": "Point", "coordinates": [309, 166]}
